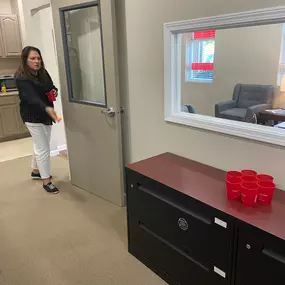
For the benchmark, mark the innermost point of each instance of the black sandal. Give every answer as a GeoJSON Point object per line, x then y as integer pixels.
{"type": "Point", "coordinates": [37, 176]}
{"type": "Point", "coordinates": [51, 188]}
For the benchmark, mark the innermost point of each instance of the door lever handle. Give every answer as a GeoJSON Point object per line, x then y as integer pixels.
{"type": "Point", "coordinates": [109, 112]}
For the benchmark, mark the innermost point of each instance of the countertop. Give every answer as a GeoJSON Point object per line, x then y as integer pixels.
{"type": "Point", "coordinates": [207, 184]}
{"type": "Point", "coordinates": [9, 93]}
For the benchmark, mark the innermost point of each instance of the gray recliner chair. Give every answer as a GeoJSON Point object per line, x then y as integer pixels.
{"type": "Point", "coordinates": [248, 100]}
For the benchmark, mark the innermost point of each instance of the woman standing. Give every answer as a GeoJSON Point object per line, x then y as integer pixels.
{"type": "Point", "coordinates": [37, 111]}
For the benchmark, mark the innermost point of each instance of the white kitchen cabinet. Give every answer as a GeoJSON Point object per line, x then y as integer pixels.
{"type": "Point", "coordinates": [11, 37]}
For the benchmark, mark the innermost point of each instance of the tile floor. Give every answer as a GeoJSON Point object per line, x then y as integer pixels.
{"type": "Point", "coordinates": [15, 149]}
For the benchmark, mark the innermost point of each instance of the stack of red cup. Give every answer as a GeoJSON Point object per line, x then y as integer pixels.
{"type": "Point", "coordinates": [250, 187]}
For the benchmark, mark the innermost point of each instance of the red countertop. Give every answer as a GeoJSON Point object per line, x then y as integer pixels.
{"type": "Point", "coordinates": [207, 184]}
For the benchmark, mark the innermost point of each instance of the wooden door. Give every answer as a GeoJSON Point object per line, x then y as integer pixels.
{"type": "Point", "coordinates": [11, 35]}
{"type": "Point", "coordinates": [1, 126]}
{"type": "Point", "coordinates": [10, 120]}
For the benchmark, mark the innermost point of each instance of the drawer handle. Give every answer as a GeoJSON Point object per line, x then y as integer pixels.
{"type": "Point", "coordinates": [180, 208]}
{"type": "Point", "coordinates": [274, 255]}
{"type": "Point", "coordinates": [172, 246]}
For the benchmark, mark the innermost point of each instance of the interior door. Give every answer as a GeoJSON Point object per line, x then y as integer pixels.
{"type": "Point", "coordinates": [87, 56]}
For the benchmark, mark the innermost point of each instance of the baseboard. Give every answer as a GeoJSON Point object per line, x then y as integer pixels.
{"type": "Point", "coordinates": [62, 147]}
{"type": "Point", "coordinates": [58, 150]}
{"type": "Point", "coordinates": [54, 153]}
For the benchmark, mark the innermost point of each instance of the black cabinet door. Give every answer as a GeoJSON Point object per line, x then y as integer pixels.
{"type": "Point", "coordinates": [172, 262]}
{"type": "Point", "coordinates": [190, 223]}
{"type": "Point", "coordinates": [261, 258]}
{"type": "Point", "coordinates": [188, 241]}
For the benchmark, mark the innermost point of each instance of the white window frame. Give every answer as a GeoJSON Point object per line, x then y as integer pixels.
{"type": "Point", "coordinates": [172, 74]}
{"type": "Point", "coordinates": [189, 59]}
{"type": "Point", "coordinates": [281, 67]}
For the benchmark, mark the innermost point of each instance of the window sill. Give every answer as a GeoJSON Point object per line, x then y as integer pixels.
{"type": "Point", "coordinates": [233, 128]}
{"type": "Point", "coordinates": [199, 81]}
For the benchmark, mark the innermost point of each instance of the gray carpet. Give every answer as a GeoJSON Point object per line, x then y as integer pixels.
{"type": "Point", "coordinates": [70, 238]}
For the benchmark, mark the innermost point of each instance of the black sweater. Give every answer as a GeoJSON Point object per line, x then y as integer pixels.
{"type": "Point", "coordinates": [33, 98]}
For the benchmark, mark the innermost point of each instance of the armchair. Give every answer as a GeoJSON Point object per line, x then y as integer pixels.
{"type": "Point", "coordinates": [248, 100]}
{"type": "Point", "coordinates": [188, 108]}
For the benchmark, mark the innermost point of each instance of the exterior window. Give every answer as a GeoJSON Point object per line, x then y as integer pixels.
{"type": "Point", "coordinates": [200, 55]}
{"type": "Point", "coordinates": [281, 70]}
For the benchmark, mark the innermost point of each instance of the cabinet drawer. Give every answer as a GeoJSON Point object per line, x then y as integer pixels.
{"type": "Point", "coordinates": [179, 264]}
{"type": "Point", "coordinates": [189, 223]}
{"type": "Point", "coordinates": [261, 258]}
{"type": "Point", "coordinates": [8, 100]}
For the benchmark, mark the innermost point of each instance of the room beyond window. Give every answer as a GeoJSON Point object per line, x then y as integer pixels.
{"type": "Point", "coordinates": [199, 56]}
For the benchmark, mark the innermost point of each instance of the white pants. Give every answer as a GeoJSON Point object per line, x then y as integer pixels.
{"type": "Point", "coordinates": [41, 140]}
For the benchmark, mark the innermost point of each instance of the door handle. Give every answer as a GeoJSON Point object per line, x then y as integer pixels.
{"type": "Point", "coordinates": [109, 112]}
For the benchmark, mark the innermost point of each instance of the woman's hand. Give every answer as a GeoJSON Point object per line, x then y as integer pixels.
{"type": "Point", "coordinates": [51, 112]}
{"type": "Point", "coordinates": [55, 92]}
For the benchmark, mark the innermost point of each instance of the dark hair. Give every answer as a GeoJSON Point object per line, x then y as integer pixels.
{"type": "Point", "coordinates": [25, 70]}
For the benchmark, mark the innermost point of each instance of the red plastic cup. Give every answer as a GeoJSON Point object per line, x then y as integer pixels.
{"type": "Point", "coordinates": [266, 191]}
{"type": "Point", "coordinates": [249, 179]}
{"type": "Point", "coordinates": [248, 172]}
{"type": "Point", "coordinates": [233, 175]}
{"type": "Point", "coordinates": [265, 177]}
{"type": "Point", "coordinates": [249, 193]}
{"type": "Point", "coordinates": [233, 188]}
{"type": "Point", "coordinates": [51, 96]}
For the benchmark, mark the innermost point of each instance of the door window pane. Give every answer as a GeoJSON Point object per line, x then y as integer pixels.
{"type": "Point", "coordinates": [84, 55]}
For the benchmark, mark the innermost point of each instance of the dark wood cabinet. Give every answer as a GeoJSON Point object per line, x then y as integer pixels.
{"type": "Point", "coordinates": [260, 258]}
{"type": "Point", "coordinates": [181, 225]}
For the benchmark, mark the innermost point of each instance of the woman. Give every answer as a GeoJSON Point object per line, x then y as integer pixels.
{"type": "Point", "coordinates": [37, 111]}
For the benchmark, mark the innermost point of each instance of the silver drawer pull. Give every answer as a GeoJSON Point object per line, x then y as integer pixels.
{"type": "Point", "coordinates": [219, 272]}
{"type": "Point", "coordinates": [221, 223]}
{"type": "Point", "coordinates": [182, 223]}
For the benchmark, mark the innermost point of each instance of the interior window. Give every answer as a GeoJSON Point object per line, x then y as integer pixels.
{"type": "Point", "coordinates": [84, 60]}
{"type": "Point", "coordinates": [200, 55]}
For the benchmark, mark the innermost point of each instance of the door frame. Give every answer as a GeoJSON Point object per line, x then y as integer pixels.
{"type": "Point", "coordinates": [66, 52]}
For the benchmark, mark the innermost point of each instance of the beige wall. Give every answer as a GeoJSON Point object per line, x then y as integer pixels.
{"type": "Point", "coordinates": [14, 6]}
{"type": "Point", "coordinates": [242, 55]}
{"type": "Point", "coordinates": [142, 83]}
{"type": "Point", "coordinates": [28, 27]}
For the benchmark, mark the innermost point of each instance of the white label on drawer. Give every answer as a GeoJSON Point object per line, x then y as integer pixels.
{"type": "Point", "coordinates": [220, 272]}
{"type": "Point", "coordinates": [221, 223]}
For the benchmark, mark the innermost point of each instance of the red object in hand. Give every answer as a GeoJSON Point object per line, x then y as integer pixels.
{"type": "Point", "coordinates": [51, 95]}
